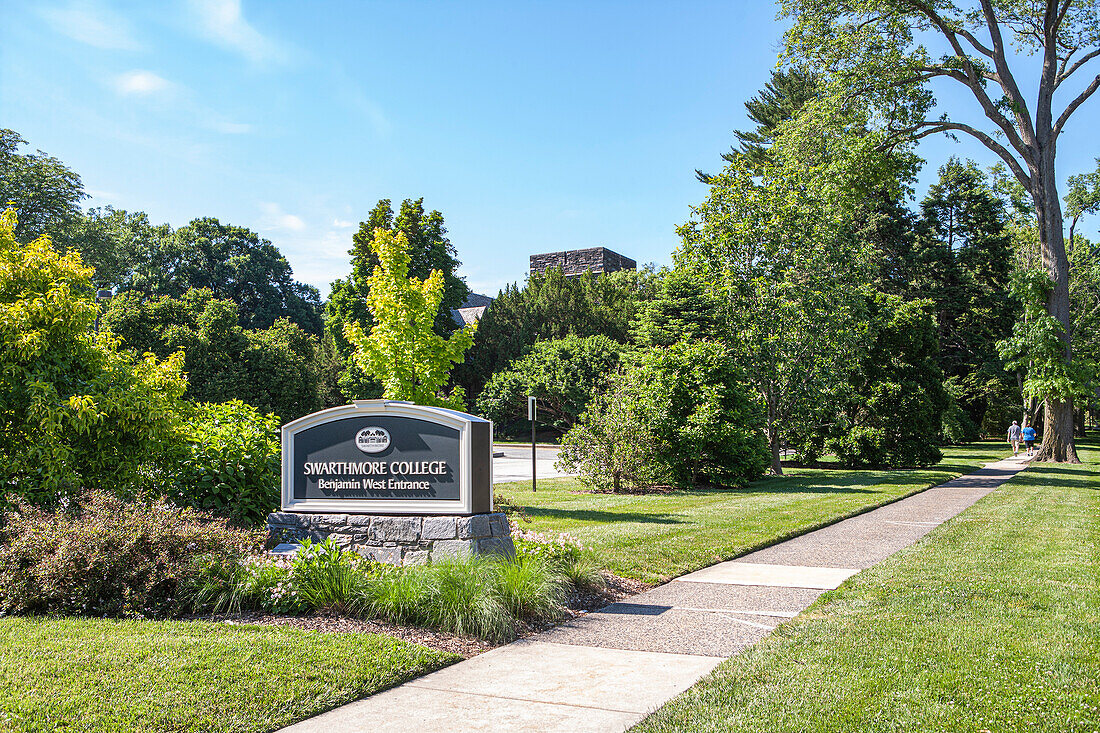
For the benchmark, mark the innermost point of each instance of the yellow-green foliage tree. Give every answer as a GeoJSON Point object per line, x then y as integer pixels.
{"type": "Point", "coordinates": [75, 412]}
{"type": "Point", "coordinates": [402, 351]}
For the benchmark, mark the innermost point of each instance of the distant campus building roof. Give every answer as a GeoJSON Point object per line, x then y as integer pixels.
{"type": "Point", "coordinates": [571, 262]}
{"type": "Point", "coordinates": [471, 309]}
{"type": "Point", "coordinates": [577, 261]}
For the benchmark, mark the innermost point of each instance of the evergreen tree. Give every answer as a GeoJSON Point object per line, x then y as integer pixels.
{"type": "Point", "coordinates": [682, 309]}
{"type": "Point", "coordinates": [780, 100]}
{"type": "Point", "coordinates": [551, 306]}
{"type": "Point", "coordinates": [962, 262]}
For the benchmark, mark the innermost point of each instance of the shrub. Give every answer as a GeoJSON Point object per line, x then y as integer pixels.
{"type": "Point", "coordinates": [561, 553]}
{"type": "Point", "coordinates": [230, 463]}
{"type": "Point", "coordinates": [75, 411]}
{"type": "Point", "coordinates": [894, 418]}
{"type": "Point", "coordinates": [107, 557]}
{"type": "Point", "coordinates": [678, 415]}
{"type": "Point", "coordinates": [563, 374]}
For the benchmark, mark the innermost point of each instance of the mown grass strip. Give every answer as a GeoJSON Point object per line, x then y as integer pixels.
{"type": "Point", "coordinates": [655, 537]}
{"type": "Point", "coordinates": [136, 676]}
{"type": "Point", "coordinates": [991, 623]}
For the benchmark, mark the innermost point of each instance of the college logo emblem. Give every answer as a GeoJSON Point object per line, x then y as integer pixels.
{"type": "Point", "coordinates": [372, 440]}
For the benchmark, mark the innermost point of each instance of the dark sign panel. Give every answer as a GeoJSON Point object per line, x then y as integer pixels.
{"type": "Point", "coordinates": [378, 456]}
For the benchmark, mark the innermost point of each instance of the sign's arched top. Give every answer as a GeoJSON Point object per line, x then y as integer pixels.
{"type": "Point", "coordinates": [387, 457]}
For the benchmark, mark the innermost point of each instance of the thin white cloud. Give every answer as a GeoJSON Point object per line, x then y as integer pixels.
{"type": "Point", "coordinates": [92, 24]}
{"type": "Point", "coordinates": [140, 82]}
{"type": "Point", "coordinates": [276, 218]}
{"type": "Point", "coordinates": [342, 224]}
{"type": "Point", "coordinates": [228, 128]}
{"type": "Point", "coordinates": [223, 23]}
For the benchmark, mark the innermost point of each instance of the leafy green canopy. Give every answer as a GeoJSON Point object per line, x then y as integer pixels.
{"type": "Point", "coordinates": [402, 351]}
{"type": "Point", "coordinates": [563, 374]}
{"type": "Point", "coordinates": [45, 193]}
{"type": "Point", "coordinates": [274, 369]}
{"type": "Point", "coordinates": [779, 246]}
{"type": "Point", "coordinates": [76, 412]}
{"type": "Point", "coordinates": [891, 417]}
{"type": "Point", "coordinates": [551, 306]}
{"type": "Point", "coordinates": [429, 250]}
{"type": "Point", "coordinates": [673, 416]}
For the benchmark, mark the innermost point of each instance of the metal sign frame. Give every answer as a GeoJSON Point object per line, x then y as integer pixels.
{"type": "Point", "coordinates": [475, 472]}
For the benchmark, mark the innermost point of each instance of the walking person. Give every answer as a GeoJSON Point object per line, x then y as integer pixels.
{"type": "Point", "coordinates": [1014, 434]}
{"type": "Point", "coordinates": [1029, 438]}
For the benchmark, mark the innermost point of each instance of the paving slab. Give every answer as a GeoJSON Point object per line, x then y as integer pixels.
{"type": "Point", "coordinates": [526, 685]}
{"type": "Point", "coordinates": [673, 629]}
{"type": "Point", "coordinates": [736, 572]}
{"type": "Point", "coordinates": [408, 709]}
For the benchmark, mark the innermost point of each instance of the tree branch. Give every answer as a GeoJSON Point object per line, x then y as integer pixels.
{"type": "Point", "coordinates": [1080, 62]}
{"type": "Point", "coordinates": [1007, 80]}
{"type": "Point", "coordinates": [973, 77]}
{"type": "Point", "coordinates": [1072, 107]}
{"type": "Point", "coordinates": [924, 129]}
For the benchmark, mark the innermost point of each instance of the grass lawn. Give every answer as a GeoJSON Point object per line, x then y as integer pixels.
{"type": "Point", "coordinates": [660, 536]}
{"type": "Point", "coordinates": [991, 623]}
{"type": "Point", "coordinates": [120, 676]}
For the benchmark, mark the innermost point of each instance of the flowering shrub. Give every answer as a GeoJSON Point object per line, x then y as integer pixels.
{"type": "Point", "coordinates": [107, 557]}
{"type": "Point", "coordinates": [561, 552]}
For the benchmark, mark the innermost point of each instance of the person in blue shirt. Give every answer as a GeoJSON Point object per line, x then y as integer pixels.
{"type": "Point", "coordinates": [1029, 438]}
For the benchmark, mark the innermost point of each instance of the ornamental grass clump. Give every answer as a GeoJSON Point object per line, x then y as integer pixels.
{"type": "Point", "coordinates": [561, 554]}
{"type": "Point", "coordinates": [104, 556]}
{"type": "Point", "coordinates": [476, 595]}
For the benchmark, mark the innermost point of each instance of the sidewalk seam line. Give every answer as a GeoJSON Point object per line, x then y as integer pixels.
{"type": "Point", "coordinates": [521, 699]}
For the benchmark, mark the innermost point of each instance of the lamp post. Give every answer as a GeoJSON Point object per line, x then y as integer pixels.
{"type": "Point", "coordinates": [532, 414]}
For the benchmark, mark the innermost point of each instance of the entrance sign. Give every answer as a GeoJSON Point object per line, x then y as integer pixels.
{"type": "Point", "coordinates": [386, 457]}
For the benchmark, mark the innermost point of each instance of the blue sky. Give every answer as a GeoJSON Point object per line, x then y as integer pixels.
{"type": "Point", "coordinates": [533, 127]}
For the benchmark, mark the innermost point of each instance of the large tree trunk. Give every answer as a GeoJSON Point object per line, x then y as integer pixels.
{"type": "Point", "coordinates": [1058, 415]}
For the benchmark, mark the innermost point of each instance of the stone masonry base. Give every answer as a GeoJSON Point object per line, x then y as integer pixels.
{"type": "Point", "coordinates": [397, 539]}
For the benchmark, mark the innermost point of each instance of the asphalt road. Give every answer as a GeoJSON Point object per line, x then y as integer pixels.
{"type": "Point", "coordinates": [515, 465]}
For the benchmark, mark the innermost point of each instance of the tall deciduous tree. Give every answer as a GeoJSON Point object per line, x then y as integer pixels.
{"type": "Point", "coordinates": [876, 54]}
{"type": "Point", "coordinates": [429, 250]}
{"type": "Point", "coordinates": [44, 192]}
{"type": "Point", "coordinates": [402, 351]}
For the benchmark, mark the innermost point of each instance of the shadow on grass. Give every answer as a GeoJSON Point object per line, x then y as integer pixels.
{"type": "Point", "coordinates": [596, 515]}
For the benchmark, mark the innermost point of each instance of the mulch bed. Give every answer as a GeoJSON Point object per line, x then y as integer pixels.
{"type": "Point", "coordinates": [577, 604]}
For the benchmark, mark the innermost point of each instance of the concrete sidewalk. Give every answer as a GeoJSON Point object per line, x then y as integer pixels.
{"type": "Point", "coordinates": [606, 670]}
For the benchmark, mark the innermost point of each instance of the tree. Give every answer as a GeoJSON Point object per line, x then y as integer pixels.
{"type": "Point", "coordinates": [551, 306]}
{"type": "Point", "coordinates": [402, 351]}
{"type": "Point", "coordinates": [1082, 197]}
{"type": "Point", "coordinates": [679, 415]}
{"type": "Point", "coordinates": [76, 412]}
{"type": "Point", "coordinates": [123, 247]}
{"type": "Point", "coordinates": [429, 250]}
{"type": "Point", "coordinates": [563, 374]}
{"type": "Point", "coordinates": [873, 54]}
{"type": "Point", "coordinates": [778, 250]}
{"type": "Point", "coordinates": [234, 264]}
{"type": "Point", "coordinates": [45, 193]}
{"type": "Point", "coordinates": [681, 309]}
{"type": "Point", "coordinates": [962, 261]}
{"type": "Point", "coordinates": [891, 417]}
{"type": "Point", "coordinates": [274, 369]}
{"type": "Point", "coordinates": [779, 101]}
